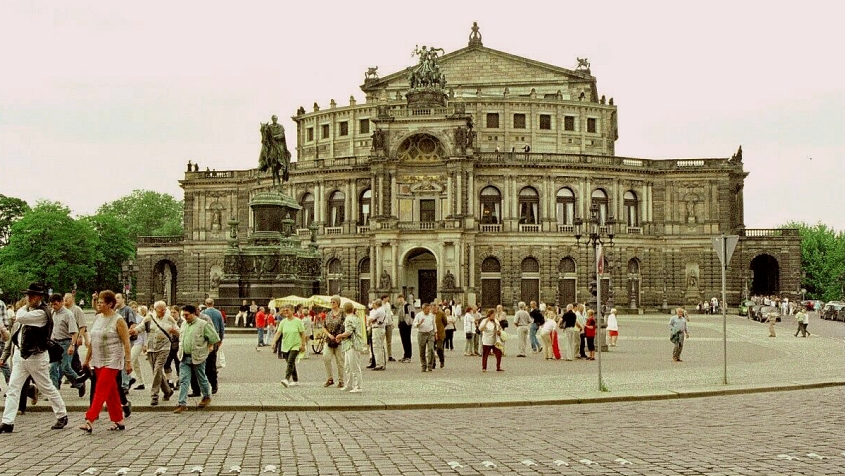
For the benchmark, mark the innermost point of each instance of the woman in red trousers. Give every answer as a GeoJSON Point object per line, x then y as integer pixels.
{"type": "Point", "coordinates": [108, 354]}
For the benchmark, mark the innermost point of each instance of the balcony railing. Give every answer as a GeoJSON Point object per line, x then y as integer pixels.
{"type": "Point", "coordinates": [159, 240]}
{"type": "Point", "coordinates": [303, 232]}
{"type": "Point", "coordinates": [487, 228]}
{"type": "Point", "coordinates": [333, 230]}
{"type": "Point", "coordinates": [635, 230]}
{"type": "Point", "coordinates": [547, 158]}
{"type": "Point", "coordinates": [759, 232]}
{"type": "Point", "coordinates": [363, 229]}
{"type": "Point", "coordinates": [530, 228]}
{"type": "Point", "coordinates": [566, 228]}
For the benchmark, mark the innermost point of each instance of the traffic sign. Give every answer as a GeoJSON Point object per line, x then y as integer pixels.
{"type": "Point", "coordinates": [724, 245]}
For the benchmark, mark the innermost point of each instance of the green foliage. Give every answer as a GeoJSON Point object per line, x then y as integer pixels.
{"type": "Point", "coordinates": [11, 210]}
{"type": "Point", "coordinates": [47, 245]}
{"type": "Point", "coordinates": [113, 247]}
{"type": "Point", "coordinates": [146, 213]}
{"type": "Point", "coordinates": [822, 260]}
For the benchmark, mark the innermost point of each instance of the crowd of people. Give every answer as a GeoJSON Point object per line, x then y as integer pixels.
{"type": "Point", "coordinates": [46, 338]}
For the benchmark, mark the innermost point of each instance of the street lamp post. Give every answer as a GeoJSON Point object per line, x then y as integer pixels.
{"type": "Point", "coordinates": [598, 234]}
{"type": "Point", "coordinates": [128, 270]}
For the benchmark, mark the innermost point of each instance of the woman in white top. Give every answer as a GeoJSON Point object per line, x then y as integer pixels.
{"type": "Point", "coordinates": [469, 330]}
{"type": "Point", "coordinates": [612, 328]}
{"type": "Point", "coordinates": [490, 331]}
{"type": "Point", "coordinates": [108, 354]}
{"type": "Point", "coordinates": [449, 343]}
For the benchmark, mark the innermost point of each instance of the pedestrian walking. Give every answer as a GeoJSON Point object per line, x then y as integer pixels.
{"type": "Point", "coordinates": [677, 333]}
{"type": "Point", "coordinates": [109, 354]}
{"type": "Point", "coordinates": [196, 339]}
{"type": "Point", "coordinates": [30, 333]}
{"type": "Point", "coordinates": [469, 332]}
{"type": "Point", "coordinates": [771, 318]}
{"type": "Point", "coordinates": [490, 331]}
{"type": "Point", "coordinates": [612, 328]}
{"type": "Point", "coordinates": [332, 352]}
{"type": "Point", "coordinates": [352, 344]}
{"type": "Point", "coordinates": [292, 333]}
{"type": "Point", "coordinates": [424, 322]}
{"type": "Point", "coordinates": [522, 320]}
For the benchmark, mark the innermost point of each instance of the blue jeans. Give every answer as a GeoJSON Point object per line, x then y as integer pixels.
{"type": "Point", "coordinates": [260, 336]}
{"type": "Point", "coordinates": [186, 369]}
{"type": "Point", "coordinates": [532, 335]}
{"type": "Point", "coordinates": [63, 368]}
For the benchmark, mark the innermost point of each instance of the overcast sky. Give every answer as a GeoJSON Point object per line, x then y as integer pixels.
{"type": "Point", "coordinates": [100, 98]}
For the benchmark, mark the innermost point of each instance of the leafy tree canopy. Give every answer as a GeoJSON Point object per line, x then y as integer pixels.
{"type": "Point", "coordinates": [113, 247]}
{"type": "Point", "coordinates": [48, 245]}
{"type": "Point", "coordinates": [822, 260]}
{"type": "Point", "coordinates": [146, 213]}
{"type": "Point", "coordinates": [11, 210]}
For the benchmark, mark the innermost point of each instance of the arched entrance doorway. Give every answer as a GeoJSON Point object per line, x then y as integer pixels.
{"type": "Point", "coordinates": [164, 282]}
{"type": "Point", "coordinates": [420, 275]}
{"type": "Point", "coordinates": [765, 276]}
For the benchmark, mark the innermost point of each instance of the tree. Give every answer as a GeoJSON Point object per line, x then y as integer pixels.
{"type": "Point", "coordinates": [822, 260]}
{"type": "Point", "coordinates": [146, 213]}
{"type": "Point", "coordinates": [47, 245]}
{"type": "Point", "coordinates": [11, 210]}
{"type": "Point", "coordinates": [113, 247]}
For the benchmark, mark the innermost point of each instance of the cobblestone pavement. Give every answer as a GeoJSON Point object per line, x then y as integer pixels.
{"type": "Point", "coordinates": [795, 432]}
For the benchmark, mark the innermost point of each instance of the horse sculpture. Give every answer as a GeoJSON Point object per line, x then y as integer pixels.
{"type": "Point", "coordinates": [274, 157]}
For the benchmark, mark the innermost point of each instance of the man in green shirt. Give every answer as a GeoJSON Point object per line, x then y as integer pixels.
{"type": "Point", "coordinates": [197, 338]}
{"type": "Point", "coordinates": [292, 333]}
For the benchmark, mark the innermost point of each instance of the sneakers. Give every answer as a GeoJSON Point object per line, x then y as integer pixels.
{"type": "Point", "coordinates": [204, 402]}
{"type": "Point", "coordinates": [355, 390]}
{"type": "Point", "coordinates": [293, 384]}
{"type": "Point", "coordinates": [180, 409]}
{"type": "Point", "coordinates": [60, 423]}
{"type": "Point", "coordinates": [285, 382]}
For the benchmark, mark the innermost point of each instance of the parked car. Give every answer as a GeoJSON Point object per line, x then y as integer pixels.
{"type": "Point", "coordinates": [834, 310]}
{"type": "Point", "coordinates": [744, 306]}
{"type": "Point", "coordinates": [762, 313]}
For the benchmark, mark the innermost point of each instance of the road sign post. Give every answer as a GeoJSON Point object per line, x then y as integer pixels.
{"type": "Point", "coordinates": [724, 245]}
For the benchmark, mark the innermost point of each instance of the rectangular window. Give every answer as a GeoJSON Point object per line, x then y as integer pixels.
{"type": "Point", "coordinates": [591, 124]}
{"type": "Point", "coordinates": [344, 128]}
{"type": "Point", "coordinates": [545, 121]}
{"type": "Point", "coordinates": [309, 133]}
{"type": "Point", "coordinates": [325, 134]}
{"type": "Point", "coordinates": [569, 123]}
{"type": "Point", "coordinates": [492, 120]}
{"type": "Point", "coordinates": [427, 211]}
{"type": "Point", "coordinates": [519, 121]}
{"type": "Point", "coordinates": [364, 126]}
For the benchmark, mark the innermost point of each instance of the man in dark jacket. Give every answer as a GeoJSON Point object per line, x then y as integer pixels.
{"type": "Point", "coordinates": [32, 329]}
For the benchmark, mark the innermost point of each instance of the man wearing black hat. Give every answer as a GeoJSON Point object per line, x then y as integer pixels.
{"type": "Point", "coordinates": [33, 327]}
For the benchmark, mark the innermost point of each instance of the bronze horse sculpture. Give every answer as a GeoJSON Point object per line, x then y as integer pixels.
{"type": "Point", "coordinates": [274, 155]}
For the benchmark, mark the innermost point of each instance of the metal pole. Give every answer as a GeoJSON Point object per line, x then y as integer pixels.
{"type": "Point", "coordinates": [724, 312]}
{"type": "Point", "coordinates": [598, 309]}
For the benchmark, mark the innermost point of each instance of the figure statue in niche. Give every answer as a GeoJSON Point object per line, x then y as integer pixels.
{"type": "Point", "coordinates": [692, 280]}
{"type": "Point", "coordinates": [449, 280]}
{"type": "Point", "coordinates": [216, 220]}
{"type": "Point", "coordinates": [385, 282]}
{"type": "Point", "coordinates": [215, 280]}
{"type": "Point", "coordinates": [690, 211]}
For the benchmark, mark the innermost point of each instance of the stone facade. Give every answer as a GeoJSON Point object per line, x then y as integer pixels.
{"type": "Point", "coordinates": [476, 199]}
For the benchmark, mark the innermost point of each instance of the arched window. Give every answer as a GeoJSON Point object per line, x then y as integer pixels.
{"type": "Point", "coordinates": [337, 205]}
{"type": "Point", "coordinates": [334, 276]}
{"type": "Point", "coordinates": [491, 282]}
{"type": "Point", "coordinates": [633, 266]}
{"type": "Point", "coordinates": [364, 207]}
{"type": "Point", "coordinates": [530, 280]}
{"type": "Point", "coordinates": [600, 198]}
{"type": "Point", "coordinates": [567, 265]}
{"type": "Point", "coordinates": [491, 206]}
{"type": "Point", "coordinates": [491, 265]}
{"type": "Point", "coordinates": [565, 208]}
{"type": "Point", "coordinates": [306, 215]}
{"type": "Point", "coordinates": [632, 206]}
{"type": "Point", "coordinates": [529, 206]}
{"type": "Point", "coordinates": [364, 280]}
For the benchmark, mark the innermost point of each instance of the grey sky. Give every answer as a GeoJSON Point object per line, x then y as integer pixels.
{"type": "Point", "coordinates": [133, 91]}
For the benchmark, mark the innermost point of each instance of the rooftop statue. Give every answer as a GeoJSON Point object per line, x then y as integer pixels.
{"type": "Point", "coordinates": [583, 63]}
{"type": "Point", "coordinates": [427, 72]}
{"type": "Point", "coordinates": [274, 151]}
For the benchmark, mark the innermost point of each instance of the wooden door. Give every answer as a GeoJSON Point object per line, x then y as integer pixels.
{"type": "Point", "coordinates": [530, 290]}
{"type": "Point", "coordinates": [491, 292]}
{"type": "Point", "coordinates": [566, 291]}
{"type": "Point", "coordinates": [427, 280]}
